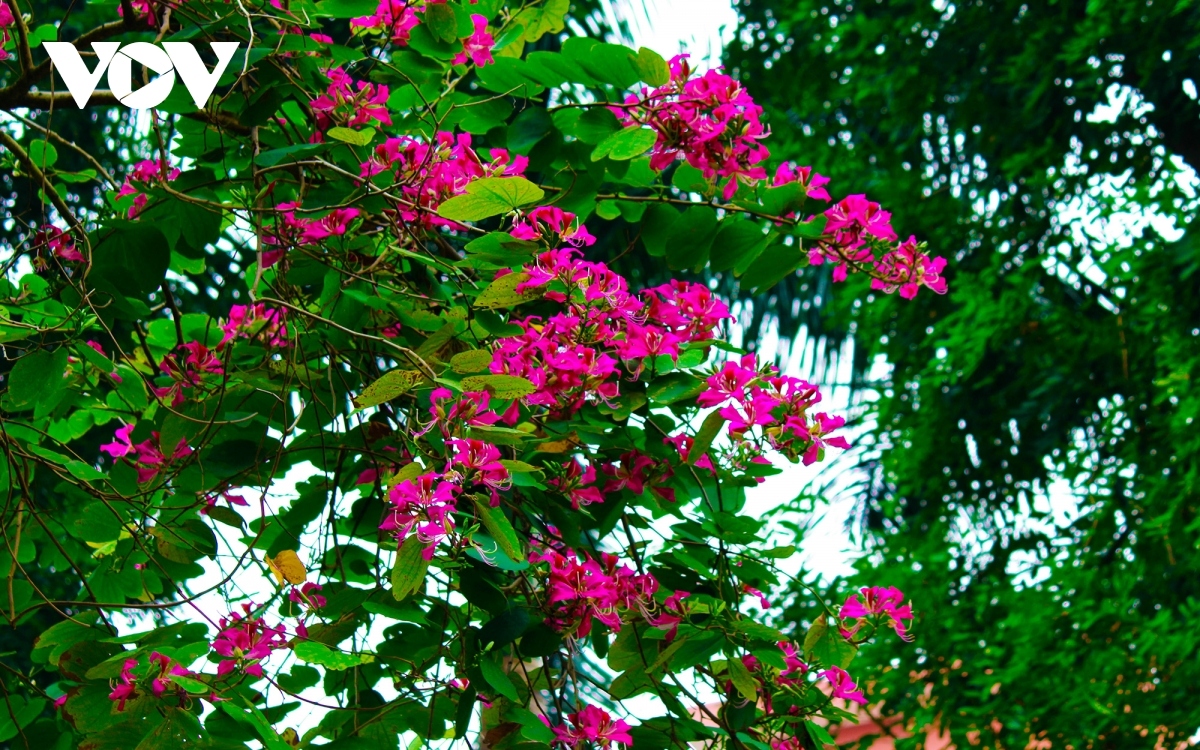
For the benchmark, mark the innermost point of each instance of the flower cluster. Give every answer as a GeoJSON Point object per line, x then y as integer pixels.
{"type": "Point", "coordinates": [162, 667]}
{"type": "Point", "coordinates": [290, 230]}
{"type": "Point", "coordinates": [572, 358]}
{"type": "Point", "coordinates": [255, 322]}
{"type": "Point", "coordinates": [147, 457]}
{"type": "Point", "coordinates": [590, 726]}
{"type": "Point", "coordinates": [877, 602]}
{"type": "Point", "coordinates": [145, 9]}
{"type": "Point", "coordinates": [858, 235]}
{"type": "Point", "coordinates": [750, 396]}
{"type": "Point", "coordinates": [478, 47]}
{"type": "Point", "coordinates": [147, 170]}
{"type": "Point", "coordinates": [427, 173]}
{"type": "Point", "coordinates": [6, 19]}
{"type": "Point", "coordinates": [422, 506]}
{"type": "Point", "coordinates": [349, 103]}
{"type": "Point", "coordinates": [397, 18]}
{"type": "Point", "coordinates": [550, 221]}
{"type": "Point", "coordinates": [579, 591]}
{"type": "Point", "coordinates": [246, 641]}
{"type": "Point", "coordinates": [709, 120]}
{"type": "Point", "coordinates": [60, 244]}
{"type": "Point", "coordinates": [186, 368]}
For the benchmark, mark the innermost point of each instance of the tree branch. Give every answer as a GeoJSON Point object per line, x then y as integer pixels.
{"type": "Point", "coordinates": [32, 169]}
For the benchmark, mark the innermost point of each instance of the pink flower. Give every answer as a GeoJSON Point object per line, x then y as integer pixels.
{"type": "Point", "coordinates": [813, 183]}
{"type": "Point", "coordinates": [247, 641]}
{"type": "Point", "coordinates": [350, 102]}
{"type": "Point", "coordinates": [578, 484]}
{"type": "Point", "coordinates": [335, 223]}
{"type": "Point", "coordinates": [729, 382]}
{"type": "Point", "coordinates": [908, 269]}
{"type": "Point", "coordinates": [422, 506]}
{"type": "Point", "coordinates": [763, 601]}
{"type": "Point", "coordinates": [147, 457]}
{"type": "Point", "coordinates": [478, 46]}
{"type": "Point", "coordinates": [396, 18]}
{"type": "Point", "coordinates": [166, 670]}
{"type": "Point", "coordinates": [122, 692]}
{"type": "Point", "coordinates": [553, 220]}
{"type": "Point", "coordinates": [843, 686]}
{"type": "Point", "coordinates": [817, 431]}
{"type": "Point", "coordinates": [876, 601]}
{"type": "Point", "coordinates": [187, 367]}
{"type": "Point", "coordinates": [855, 216]}
{"type": "Point", "coordinates": [145, 171]}
{"type": "Point", "coordinates": [795, 670]}
{"type": "Point", "coordinates": [589, 726]}
{"type": "Point", "coordinates": [60, 243]}
{"type": "Point", "coordinates": [307, 595]}
{"type": "Point", "coordinates": [257, 321]}
{"type": "Point", "coordinates": [482, 464]}
{"type": "Point", "coordinates": [710, 121]}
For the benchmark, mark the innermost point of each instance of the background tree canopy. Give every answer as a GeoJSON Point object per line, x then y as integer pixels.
{"type": "Point", "coordinates": [1031, 143]}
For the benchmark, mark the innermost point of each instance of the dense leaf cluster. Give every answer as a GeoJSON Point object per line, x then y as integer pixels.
{"type": "Point", "coordinates": [1040, 139]}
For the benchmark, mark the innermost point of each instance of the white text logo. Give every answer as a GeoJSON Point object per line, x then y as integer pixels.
{"type": "Point", "coordinates": [165, 62]}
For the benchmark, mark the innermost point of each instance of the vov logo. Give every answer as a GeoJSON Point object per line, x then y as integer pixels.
{"type": "Point", "coordinates": [165, 61]}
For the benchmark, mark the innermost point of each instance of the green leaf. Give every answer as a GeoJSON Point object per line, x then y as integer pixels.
{"type": "Point", "coordinates": [500, 386]}
{"type": "Point", "coordinates": [37, 377]}
{"type": "Point", "coordinates": [300, 678]}
{"type": "Point", "coordinates": [43, 154]}
{"type": "Point", "coordinates": [653, 67]}
{"type": "Point", "coordinates": [475, 360]}
{"type": "Point", "coordinates": [813, 228]}
{"type": "Point", "coordinates": [498, 678]}
{"type": "Point", "coordinates": [312, 652]}
{"type": "Point", "coordinates": [691, 237]}
{"type": "Point", "coordinates": [346, 8]}
{"type": "Point", "coordinates": [708, 432]}
{"type": "Point", "coordinates": [441, 21]}
{"type": "Point", "coordinates": [497, 435]}
{"type": "Point", "coordinates": [591, 127]}
{"type": "Point", "coordinates": [742, 679]}
{"type": "Point", "coordinates": [356, 137]}
{"type": "Point", "coordinates": [771, 267]}
{"type": "Point", "coordinates": [410, 568]}
{"type": "Point", "coordinates": [491, 196]}
{"type": "Point", "coordinates": [499, 527]}
{"type": "Point", "coordinates": [677, 386]}
{"type": "Point", "coordinates": [503, 292]}
{"type": "Point", "coordinates": [735, 241]}
{"type": "Point", "coordinates": [826, 645]}
{"type": "Point", "coordinates": [393, 384]}
{"type": "Point", "coordinates": [819, 734]}
{"type": "Point", "coordinates": [625, 144]}
{"type": "Point", "coordinates": [544, 18]}
{"type": "Point", "coordinates": [132, 257]}
{"type": "Point", "coordinates": [762, 632]}
{"type": "Point", "coordinates": [657, 225]}
{"type": "Point", "coordinates": [530, 127]}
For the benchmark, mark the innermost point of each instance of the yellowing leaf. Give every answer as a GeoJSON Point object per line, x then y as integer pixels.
{"type": "Point", "coordinates": [501, 386]}
{"type": "Point", "coordinates": [353, 137]}
{"type": "Point", "coordinates": [287, 567]}
{"type": "Point", "coordinates": [503, 292]}
{"type": "Point", "coordinates": [388, 387]}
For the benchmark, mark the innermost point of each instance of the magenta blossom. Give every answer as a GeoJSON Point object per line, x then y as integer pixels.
{"type": "Point", "coordinates": [422, 506]}
{"type": "Point", "coordinates": [843, 686]}
{"type": "Point", "coordinates": [591, 726]}
{"type": "Point", "coordinates": [878, 601]}
{"type": "Point", "coordinates": [477, 47]}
